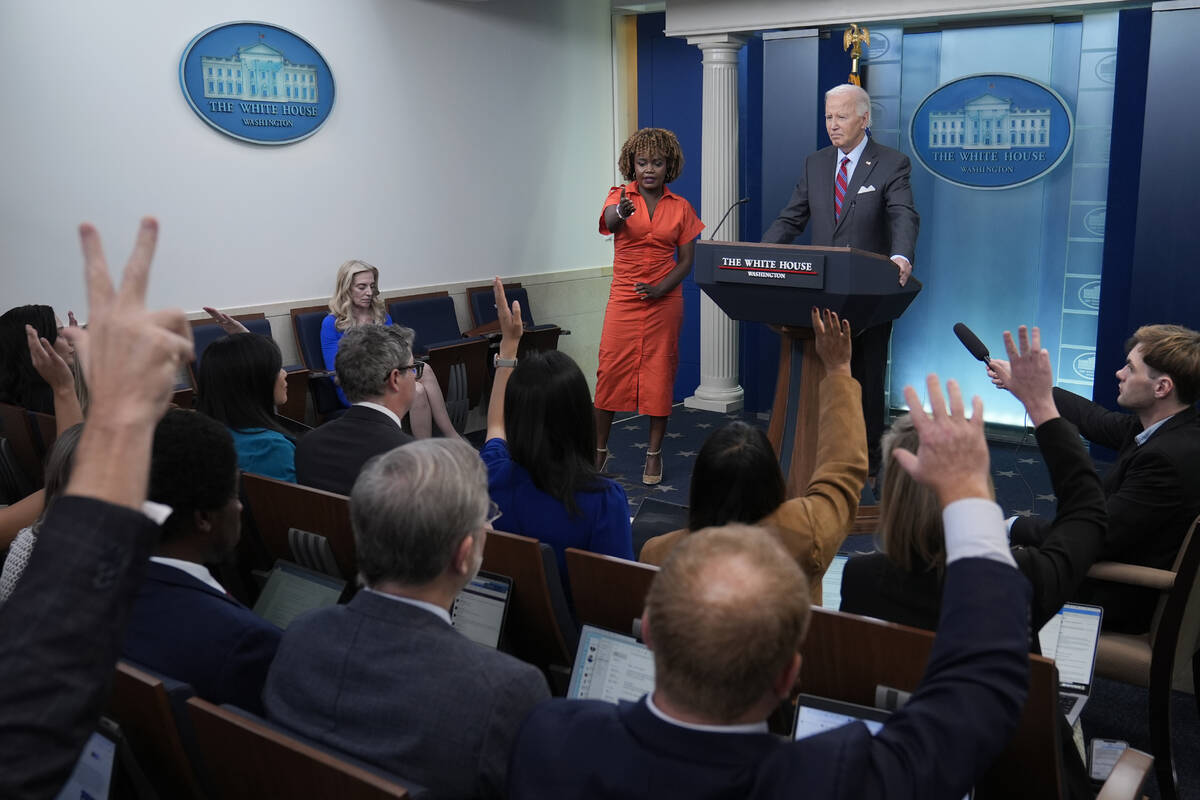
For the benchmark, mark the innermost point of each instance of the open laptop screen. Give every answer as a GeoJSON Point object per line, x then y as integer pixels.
{"type": "Point", "coordinates": [611, 667]}
{"type": "Point", "coordinates": [92, 777]}
{"type": "Point", "coordinates": [480, 608]}
{"type": "Point", "coordinates": [1070, 639]}
{"type": "Point", "coordinates": [831, 583]}
{"type": "Point", "coordinates": [819, 714]}
{"type": "Point", "coordinates": [291, 590]}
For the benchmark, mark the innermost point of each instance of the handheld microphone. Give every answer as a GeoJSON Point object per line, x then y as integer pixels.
{"type": "Point", "coordinates": [972, 343]}
{"type": "Point", "coordinates": [741, 202]}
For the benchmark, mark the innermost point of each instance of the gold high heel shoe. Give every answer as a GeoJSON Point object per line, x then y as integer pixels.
{"type": "Point", "coordinates": [647, 478]}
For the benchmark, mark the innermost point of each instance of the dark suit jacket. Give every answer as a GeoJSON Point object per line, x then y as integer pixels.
{"type": "Point", "coordinates": [928, 749]}
{"type": "Point", "coordinates": [393, 685]}
{"type": "Point", "coordinates": [184, 628]}
{"type": "Point", "coordinates": [880, 221]}
{"type": "Point", "coordinates": [1153, 496]}
{"type": "Point", "coordinates": [331, 456]}
{"type": "Point", "coordinates": [60, 636]}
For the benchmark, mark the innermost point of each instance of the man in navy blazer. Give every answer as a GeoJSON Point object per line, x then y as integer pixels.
{"type": "Point", "coordinates": [386, 678]}
{"type": "Point", "coordinates": [378, 374]}
{"type": "Point", "coordinates": [726, 617]}
{"type": "Point", "coordinates": [183, 623]}
{"type": "Point", "coordinates": [1153, 489]}
{"type": "Point", "coordinates": [856, 193]}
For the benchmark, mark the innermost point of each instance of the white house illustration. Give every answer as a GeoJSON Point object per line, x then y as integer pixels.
{"type": "Point", "coordinates": [989, 122]}
{"type": "Point", "coordinates": [259, 72]}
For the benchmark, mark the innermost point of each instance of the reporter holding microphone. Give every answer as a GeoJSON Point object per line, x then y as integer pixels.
{"type": "Point", "coordinates": [639, 346]}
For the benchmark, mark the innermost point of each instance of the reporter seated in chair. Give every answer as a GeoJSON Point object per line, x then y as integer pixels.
{"type": "Point", "coordinates": [376, 370]}
{"type": "Point", "coordinates": [737, 476]}
{"type": "Point", "coordinates": [183, 623]}
{"type": "Point", "coordinates": [539, 452]}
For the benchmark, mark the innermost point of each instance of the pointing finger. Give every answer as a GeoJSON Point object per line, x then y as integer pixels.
{"type": "Point", "coordinates": [95, 270]}
{"type": "Point", "coordinates": [137, 270]}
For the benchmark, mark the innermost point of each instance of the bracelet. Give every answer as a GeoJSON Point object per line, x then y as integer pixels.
{"type": "Point", "coordinates": [618, 208]}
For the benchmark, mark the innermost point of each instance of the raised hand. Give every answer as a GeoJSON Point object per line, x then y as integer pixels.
{"type": "Point", "coordinates": [48, 363]}
{"type": "Point", "coordinates": [832, 340]}
{"type": "Point", "coordinates": [1030, 378]}
{"type": "Point", "coordinates": [999, 371]}
{"type": "Point", "coordinates": [511, 324]}
{"type": "Point", "coordinates": [227, 323]}
{"type": "Point", "coordinates": [952, 458]}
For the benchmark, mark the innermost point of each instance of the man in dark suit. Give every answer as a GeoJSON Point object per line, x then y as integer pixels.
{"type": "Point", "coordinates": [856, 193]}
{"type": "Point", "coordinates": [376, 370]}
{"type": "Point", "coordinates": [1153, 489]}
{"type": "Point", "coordinates": [386, 678]}
{"type": "Point", "coordinates": [726, 617]}
{"type": "Point", "coordinates": [61, 630]}
{"type": "Point", "coordinates": [184, 624]}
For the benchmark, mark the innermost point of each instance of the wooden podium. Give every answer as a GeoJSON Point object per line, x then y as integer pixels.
{"type": "Point", "coordinates": [779, 285]}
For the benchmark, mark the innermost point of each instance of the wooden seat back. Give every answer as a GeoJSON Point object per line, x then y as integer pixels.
{"type": "Point", "coordinates": [535, 630]}
{"type": "Point", "coordinates": [847, 656]}
{"type": "Point", "coordinates": [246, 759]}
{"type": "Point", "coordinates": [140, 704]}
{"type": "Point", "coordinates": [278, 506]}
{"type": "Point", "coordinates": [608, 592]}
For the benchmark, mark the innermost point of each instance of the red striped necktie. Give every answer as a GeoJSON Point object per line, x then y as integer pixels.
{"type": "Point", "coordinates": [839, 189]}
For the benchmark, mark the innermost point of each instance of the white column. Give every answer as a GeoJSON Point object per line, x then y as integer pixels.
{"type": "Point", "coordinates": [718, 389]}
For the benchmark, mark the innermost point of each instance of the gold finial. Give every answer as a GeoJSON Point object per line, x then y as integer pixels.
{"type": "Point", "coordinates": [853, 40]}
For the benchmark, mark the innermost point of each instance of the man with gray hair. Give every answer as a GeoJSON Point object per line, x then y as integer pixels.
{"type": "Point", "coordinates": [856, 193]}
{"type": "Point", "coordinates": [386, 678]}
{"type": "Point", "coordinates": [378, 373]}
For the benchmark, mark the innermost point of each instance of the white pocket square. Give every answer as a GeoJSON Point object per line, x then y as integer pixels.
{"type": "Point", "coordinates": [865, 189]}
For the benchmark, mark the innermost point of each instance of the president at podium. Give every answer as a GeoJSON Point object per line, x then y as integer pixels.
{"type": "Point", "coordinates": [856, 194]}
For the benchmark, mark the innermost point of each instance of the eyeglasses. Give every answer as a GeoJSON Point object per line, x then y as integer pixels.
{"type": "Point", "coordinates": [417, 367]}
{"type": "Point", "coordinates": [493, 514]}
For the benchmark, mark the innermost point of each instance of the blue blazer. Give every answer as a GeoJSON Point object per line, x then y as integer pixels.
{"type": "Point", "coordinates": [184, 628]}
{"type": "Point", "coordinates": [931, 748]}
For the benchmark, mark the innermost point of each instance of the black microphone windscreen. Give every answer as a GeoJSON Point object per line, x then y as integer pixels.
{"type": "Point", "coordinates": [971, 342]}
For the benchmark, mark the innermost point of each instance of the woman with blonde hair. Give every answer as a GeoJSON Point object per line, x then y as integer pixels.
{"type": "Point", "coordinates": [356, 301]}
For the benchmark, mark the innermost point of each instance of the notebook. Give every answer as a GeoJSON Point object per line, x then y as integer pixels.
{"type": "Point", "coordinates": [92, 778]}
{"type": "Point", "coordinates": [292, 590]}
{"type": "Point", "coordinates": [481, 607]}
{"type": "Point", "coordinates": [1070, 639]}
{"type": "Point", "coordinates": [831, 583]}
{"type": "Point", "coordinates": [610, 666]}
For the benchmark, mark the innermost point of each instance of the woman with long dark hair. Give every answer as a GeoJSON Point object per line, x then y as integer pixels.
{"type": "Point", "coordinates": [241, 381]}
{"type": "Point", "coordinates": [540, 448]}
{"type": "Point", "coordinates": [737, 476]}
{"type": "Point", "coordinates": [21, 384]}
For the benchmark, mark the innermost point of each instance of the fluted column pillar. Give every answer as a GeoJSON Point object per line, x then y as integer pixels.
{"type": "Point", "coordinates": [718, 389]}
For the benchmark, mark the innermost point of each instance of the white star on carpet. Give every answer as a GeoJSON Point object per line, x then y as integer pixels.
{"type": "Point", "coordinates": [1004, 473]}
{"type": "Point", "coordinates": [674, 435]}
{"type": "Point", "coordinates": [642, 445]}
{"type": "Point", "coordinates": [703, 425]}
{"type": "Point", "coordinates": [662, 487]}
{"type": "Point", "coordinates": [687, 453]}
{"type": "Point", "coordinates": [630, 427]}
{"type": "Point", "coordinates": [1027, 461]}
{"type": "Point", "coordinates": [1048, 497]}
{"type": "Point", "coordinates": [1025, 512]}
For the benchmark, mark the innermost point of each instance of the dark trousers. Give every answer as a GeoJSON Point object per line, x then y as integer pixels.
{"type": "Point", "coordinates": [868, 365]}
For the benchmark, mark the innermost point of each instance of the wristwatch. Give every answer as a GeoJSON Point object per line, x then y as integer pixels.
{"type": "Point", "coordinates": [503, 362]}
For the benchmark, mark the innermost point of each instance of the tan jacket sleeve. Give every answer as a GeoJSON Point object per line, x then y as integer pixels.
{"type": "Point", "coordinates": [814, 525]}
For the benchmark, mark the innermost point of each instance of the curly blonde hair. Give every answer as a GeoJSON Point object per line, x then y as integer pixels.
{"type": "Point", "coordinates": [650, 141]}
{"type": "Point", "coordinates": [339, 304]}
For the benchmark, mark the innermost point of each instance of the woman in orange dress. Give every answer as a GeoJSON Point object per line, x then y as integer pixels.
{"type": "Point", "coordinates": [639, 348]}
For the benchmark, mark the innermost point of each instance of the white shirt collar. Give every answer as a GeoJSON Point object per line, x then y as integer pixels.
{"type": "Point", "coordinates": [1146, 434]}
{"type": "Point", "coordinates": [854, 155]}
{"type": "Point", "coordinates": [382, 410]}
{"type": "Point", "coordinates": [197, 571]}
{"type": "Point", "coordinates": [436, 610]}
{"type": "Point", "coordinates": [749, 727]}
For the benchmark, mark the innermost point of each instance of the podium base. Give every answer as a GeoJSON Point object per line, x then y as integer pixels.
{"type": "Point", "coordinates": [727, 406]}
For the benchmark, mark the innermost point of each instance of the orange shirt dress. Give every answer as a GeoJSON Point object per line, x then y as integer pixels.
{"type": "Point", "coordinates": [639, 347]}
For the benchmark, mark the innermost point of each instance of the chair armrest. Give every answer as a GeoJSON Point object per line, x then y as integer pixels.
{"type": "Point", "coordinates": [1132, 574]}
{"type": "Point", "coordinates": [485, 329]}
{"type": "Point", "coordinates": [1128, 774]}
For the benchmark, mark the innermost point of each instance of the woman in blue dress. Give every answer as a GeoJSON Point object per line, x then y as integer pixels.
{"type": "Point", "coordinates": [356, 301]}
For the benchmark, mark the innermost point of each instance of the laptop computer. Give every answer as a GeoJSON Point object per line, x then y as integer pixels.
{"type": "Point", "coordinates": [831, 583]}
{"type": "Point", "coordinates": [1070, 638]}
{"type": "Point", "coordinates": [292, 589]}
{"type": "Point", "coordinates": [611, 667]}
{"type": "Point", "coordinates": [481, 607]}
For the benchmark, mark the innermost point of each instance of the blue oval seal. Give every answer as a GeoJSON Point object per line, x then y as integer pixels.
{"type": "Point", "coordinates": [1089, 295]}
{"type": "Point", "coordinates": [1085, 365]}
{"type": "Point", "coordinates": [257, 82]}
{"type": "Point", "coordinates": [991, 131]}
